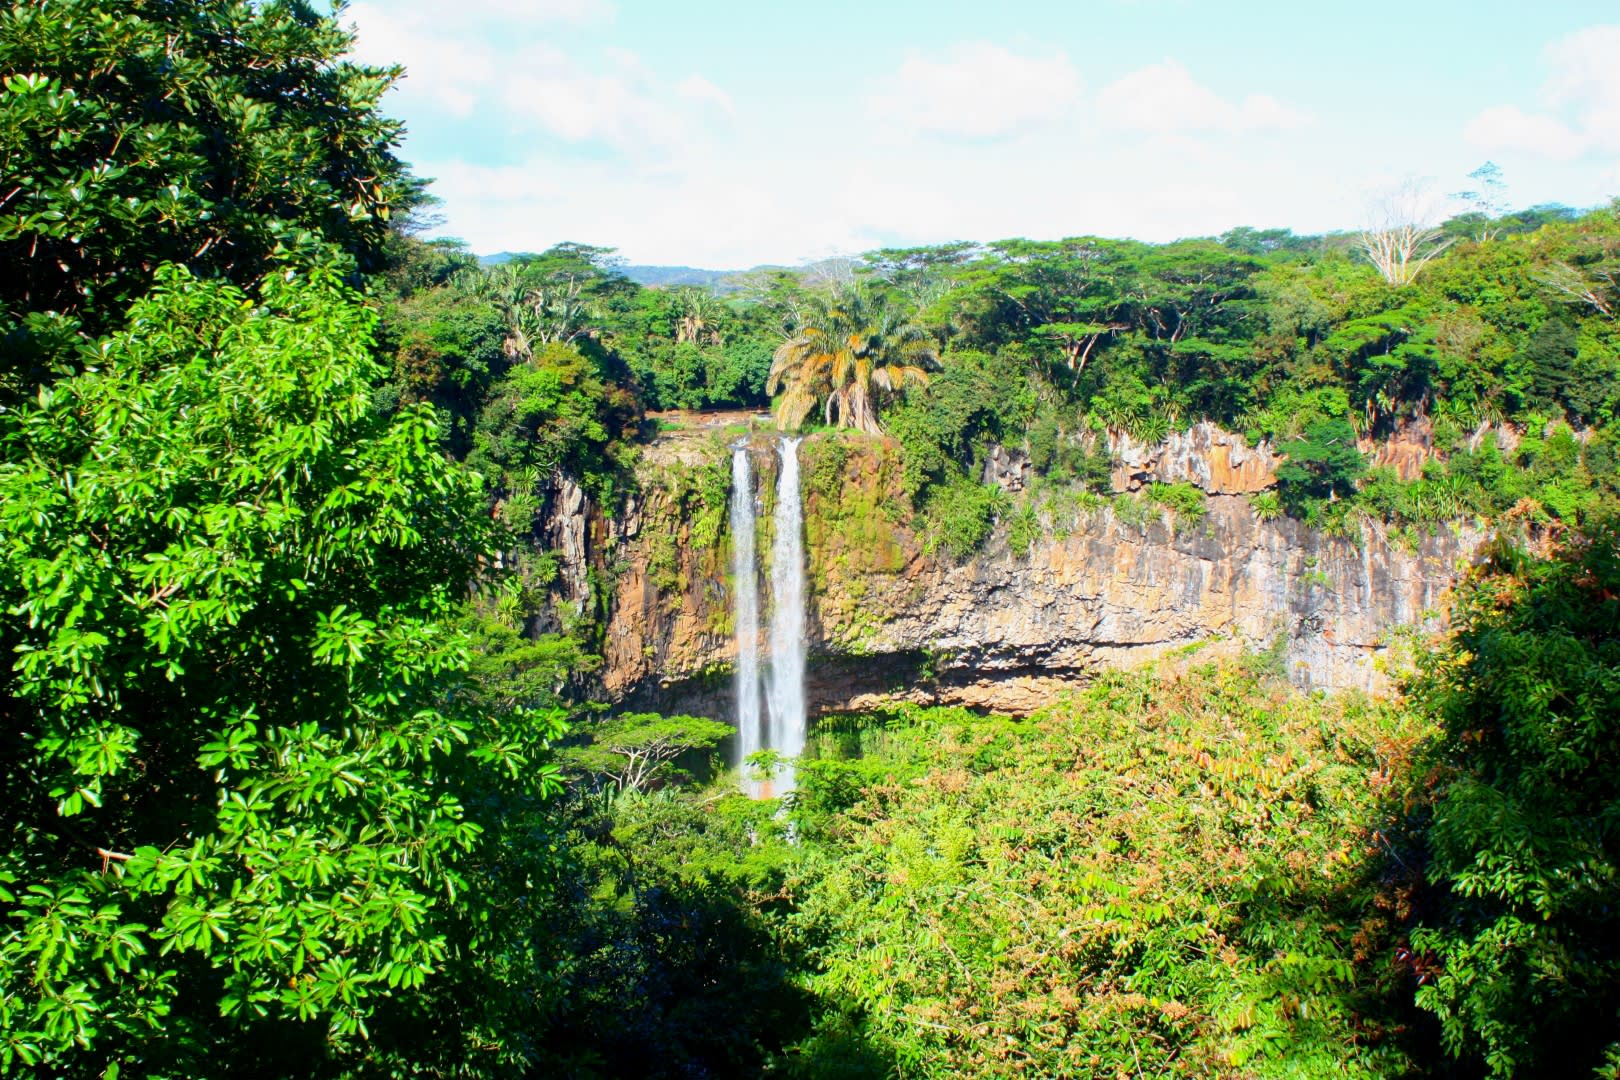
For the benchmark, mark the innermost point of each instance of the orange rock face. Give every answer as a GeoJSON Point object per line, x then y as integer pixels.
{"type": "Point", "coordinates": [1218, 461]}
{"type": "Point", "coordinates": [1405, 451]}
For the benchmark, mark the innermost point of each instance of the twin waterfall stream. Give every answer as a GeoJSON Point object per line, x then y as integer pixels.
{"type": "Point", "coordinates": [780, 726]}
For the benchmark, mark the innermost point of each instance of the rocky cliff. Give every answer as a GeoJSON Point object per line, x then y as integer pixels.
{"type": "Point", "coordinates": [1098, 586]}
{"type": "Point", "coordinates": [1219, 462]}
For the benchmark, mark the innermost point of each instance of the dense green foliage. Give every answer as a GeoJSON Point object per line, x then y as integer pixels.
{"type": "Point", "coordinates": [221, 135]}
{"type": "Point", "coordinates": [242, 800]}
{"type": "Point", "coordinates": [1289, 339]}
{"type": "Point", "coordinates": [257, 820]}
{"type": "Point", "coordinates": [1323, 463]}
{"type": "Point", "coordinates": [1522, 855]}
{"type": "Point", "coordinates": [1113, 884]}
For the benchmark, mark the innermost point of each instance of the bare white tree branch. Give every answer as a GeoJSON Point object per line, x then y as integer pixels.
{"type": "Point", "coordinates": [1401, 238]}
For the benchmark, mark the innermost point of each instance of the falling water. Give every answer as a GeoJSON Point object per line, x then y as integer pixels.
{"type": "Point", "coordinates": [745, 577]}
{"type": "Point", "coordinates": [786, 687]}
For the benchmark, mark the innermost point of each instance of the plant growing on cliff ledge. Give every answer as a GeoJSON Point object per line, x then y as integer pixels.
{"type": "Point", "coordinates": [1186, 501]}
{"type": "Point", "coordinates": [1323, 463]}
{"type": "Point", "coordinates": [1024, 528]}
{"type": "Point", "coordinates": [849, 353]}
{"type": "Point", "coordinates": [1267, 506]}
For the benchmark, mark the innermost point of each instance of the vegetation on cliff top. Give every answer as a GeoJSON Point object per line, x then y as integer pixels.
{"type": "Point", "coordinates": [1490, 363]}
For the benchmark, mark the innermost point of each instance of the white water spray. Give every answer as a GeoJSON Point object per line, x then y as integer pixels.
{"type": "Point", "coordinates": [745, 609]}
{"type": "Point", "coordinates": [786, 686]}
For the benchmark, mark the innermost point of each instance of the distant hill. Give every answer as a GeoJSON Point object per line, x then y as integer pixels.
{"type": "Point", "coordinates": [676, 275]}
{"type": "Point", "coordinates": [657, 276]}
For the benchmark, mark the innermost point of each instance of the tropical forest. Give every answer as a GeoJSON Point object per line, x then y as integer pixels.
{"type": "Point", "coordinates": [1071, 656]}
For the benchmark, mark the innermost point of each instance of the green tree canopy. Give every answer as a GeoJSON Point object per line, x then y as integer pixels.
{"type": "Point", "coordinates": [219, 134]}
{"type": "Point", "coordinates": [850, 351]}
{"type": "Point", "coordinates": [1523, 850]}
{"type": "Point", "coordinates": [240, 792]}
{"type": "Point", "coordinates": [1322, 463]}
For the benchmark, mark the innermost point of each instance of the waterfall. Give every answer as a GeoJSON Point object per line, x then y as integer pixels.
{"type": "Point", "coordinates": [786, 687]}
{"type": "Point", "coordinates": [745, 592]}
{"type": "Point", "coordinates": [783, 727]}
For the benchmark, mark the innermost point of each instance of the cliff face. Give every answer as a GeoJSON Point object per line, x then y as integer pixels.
{"type": "Point", "coordinates": [1005, 630]}
{"type": "Point", "coordinates": [1218, 461]}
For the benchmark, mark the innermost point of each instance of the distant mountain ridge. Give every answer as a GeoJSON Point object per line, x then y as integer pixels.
{"type": "Point", "coordinates": [657, 276]}
{"type": "Point", "coordinates": [678, 275]}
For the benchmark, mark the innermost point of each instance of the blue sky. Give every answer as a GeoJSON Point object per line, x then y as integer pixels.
{"type": "Point", "coordinates": [725, 134]}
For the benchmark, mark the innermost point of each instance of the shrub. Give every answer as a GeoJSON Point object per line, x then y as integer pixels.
{"type": "Point", "coordinates": [1134, 511]}
{"type": "Point", "coordinates": [1024, 528]}
{"type": "Point", "coordinates": [1523, 855]}
{"type": "Point", "coordinates": [1186, 501]}
{"type": "Point", "coordinates": [960, 515]}
{"type": "Point", "coordinates": [1322, 463]}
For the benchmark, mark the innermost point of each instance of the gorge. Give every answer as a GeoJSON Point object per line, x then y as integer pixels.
{"type": "Point", "coordinates": [1047, 655]}
{"type": "Point", "coordinates": [1105, 583]}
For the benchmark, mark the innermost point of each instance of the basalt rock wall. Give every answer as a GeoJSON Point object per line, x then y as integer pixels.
{"type": "Point", "coordinates": [1007, 629]}
{"type": "Point", "coordinates": [1217, 461]}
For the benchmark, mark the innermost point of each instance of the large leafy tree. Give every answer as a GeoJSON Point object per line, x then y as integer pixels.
{"type": "Point", "coordinates": [248, 818]}
{"type": "Point", "coordinates": [1517, 945]}
{"type": "Point", "coordinates": [1064, 293]}
{"type": "Point", "coordinates": [849, 352]}
{"type": "Point", "coordinates": [553, 411]}
{"type": "Point", "coordinates": [218, 134]}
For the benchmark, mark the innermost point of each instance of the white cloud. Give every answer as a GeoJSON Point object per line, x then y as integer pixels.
{"type": "Point", "coordinates": [757, 203]}
{"type": "Point", "coordinates": [1164, 98]}
{"type": "Point", "coordinates": [1508, 127]}
{"type": "Point", "coordinates": [697, 88]}
{"type": "Point", "coordinates": [462, 68]}
{"type": "Point", "coordinates": [1581, 100]}
{"type": "Point", "coordinates": [1586, 81]}
{"type": "Point", "coordinates": [977, 90]}
{"type": "Point", "coordinates": [536, 135]}
{"type": "Point", "coordinates": [529, 12]}
{"type": "Point", "coordinates": [624, 108]}
{"type": "Point", "coordinates": [440, 70]}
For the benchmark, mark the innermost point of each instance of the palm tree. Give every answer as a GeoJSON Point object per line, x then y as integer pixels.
{"type": "Point", "coordinates": [699, 310]}
{"type": "Point", "coordinates": [848, 353]}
